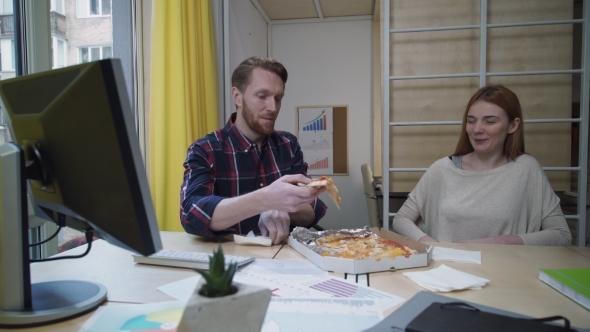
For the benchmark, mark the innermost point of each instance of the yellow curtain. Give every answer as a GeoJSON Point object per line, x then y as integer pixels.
{"type": "Point", "coordinates": [183, 96]}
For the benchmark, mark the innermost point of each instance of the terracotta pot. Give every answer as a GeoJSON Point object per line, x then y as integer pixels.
{"type": "Point", "coordinates": [243, 311]}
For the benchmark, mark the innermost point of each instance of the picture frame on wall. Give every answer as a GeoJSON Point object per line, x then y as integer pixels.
{"type": "Point", "coordinates": [322, 132]}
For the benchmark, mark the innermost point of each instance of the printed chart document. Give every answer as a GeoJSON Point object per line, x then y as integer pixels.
{"type": "Point", "coordinates": [289, 285]}
{"type": "Point", "coordinates": [159, 316]}
{"type": "Point", "coordinates": [298, 314]}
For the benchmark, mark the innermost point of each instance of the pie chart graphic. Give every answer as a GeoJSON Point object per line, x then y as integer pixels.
{"type": "Point", "coordinates": [159, 321]}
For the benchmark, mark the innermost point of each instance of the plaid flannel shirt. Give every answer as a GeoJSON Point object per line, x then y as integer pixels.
{"type": "Point", "coordinates": [227, 164]}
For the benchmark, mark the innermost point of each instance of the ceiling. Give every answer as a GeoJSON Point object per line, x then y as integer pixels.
{"type": "Point", "coordinates": [278, 11]}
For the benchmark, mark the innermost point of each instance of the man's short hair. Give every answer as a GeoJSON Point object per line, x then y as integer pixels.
{"type": "Point", "coordinates": [242, 74]}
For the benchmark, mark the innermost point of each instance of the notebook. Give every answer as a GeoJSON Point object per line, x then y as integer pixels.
{"type": "Point", "coordinates": [573, 283]}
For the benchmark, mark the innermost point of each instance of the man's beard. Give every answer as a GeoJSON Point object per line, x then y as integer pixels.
{"type": "Point", "coordinates": [255, 125]}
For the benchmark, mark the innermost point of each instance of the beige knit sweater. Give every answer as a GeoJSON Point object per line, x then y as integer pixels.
{"type": "Point", "coordinates": [452, 204]}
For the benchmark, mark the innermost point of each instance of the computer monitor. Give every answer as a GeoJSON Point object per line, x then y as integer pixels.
{"type": "Point", "coordinates": [75, 143]}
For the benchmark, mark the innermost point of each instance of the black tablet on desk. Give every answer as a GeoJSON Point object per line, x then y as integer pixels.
{"type": "Point", "coordinates": [399, 319]}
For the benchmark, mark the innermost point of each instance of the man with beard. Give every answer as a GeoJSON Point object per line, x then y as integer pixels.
{"type": "Point", "coordinates": [244, 177]}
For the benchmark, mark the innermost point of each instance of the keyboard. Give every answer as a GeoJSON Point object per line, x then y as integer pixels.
{"type": "Point", "coordinates": [187, 259]}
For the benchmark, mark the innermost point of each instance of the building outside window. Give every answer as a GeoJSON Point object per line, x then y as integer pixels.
{"type": "Point", "coordinates": [93, 53]}
{"type": "Point", "coordinates": [81, 31]}
{"type": "Point", "coordinates": [89, 8]}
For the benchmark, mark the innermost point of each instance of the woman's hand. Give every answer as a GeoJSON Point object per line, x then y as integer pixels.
{"type": "Point", "coordinates": [427, 238]}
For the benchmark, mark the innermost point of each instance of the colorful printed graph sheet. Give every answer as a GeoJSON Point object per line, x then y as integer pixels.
{"type": "Point", "coordinates": [308, 314]}
{"type": "Point", "coordinates": [316, 138]}
{"type": "Point", "coordinates": [160, 316]}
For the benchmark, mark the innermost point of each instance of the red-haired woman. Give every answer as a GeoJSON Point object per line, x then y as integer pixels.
{"type": "Point", "coordinates": [489, 190]}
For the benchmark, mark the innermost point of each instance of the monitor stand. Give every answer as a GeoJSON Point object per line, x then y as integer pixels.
{"type": "Point", "coordinates": [23, 304]}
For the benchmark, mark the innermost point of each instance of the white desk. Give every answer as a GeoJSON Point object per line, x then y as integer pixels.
{"type": "Point", "coordinates": [513, 271]}
{"type": "Point", "coordinates": [585, 251]}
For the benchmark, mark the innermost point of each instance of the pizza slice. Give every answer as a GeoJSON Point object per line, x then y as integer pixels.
{"type": "Point", "coordinates": [331, 189]}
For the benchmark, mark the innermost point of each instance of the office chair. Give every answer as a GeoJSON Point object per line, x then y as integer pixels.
{"type": "Point", "coordinates": [371, 196]}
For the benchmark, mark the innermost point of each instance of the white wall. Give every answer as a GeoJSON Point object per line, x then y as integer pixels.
{"type": "Point", "coordinates": [329, 63]}
{"type": "Point", "coordinates": [248, 36]}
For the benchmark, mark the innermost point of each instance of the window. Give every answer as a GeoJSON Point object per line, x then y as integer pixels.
{"type": "Point", "coordinates": [89, 8]}
{"type": "Point", "coordinates": [93, 53]}
{"type": "Point", "coordinates": [7, 57]}
{"type": "Point", "coordinates": [6, 65]}
{"type": "Point", "coordinates": [77, 41]}
{"type": "Point", "coordinates": [59, 52]}
{"type": "Point", "coordinates": [58, 6]}
{"type": "Point", "coordinates": [6, 7]}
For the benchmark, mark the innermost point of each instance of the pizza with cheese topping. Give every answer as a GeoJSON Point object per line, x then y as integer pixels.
{"type": "Point", "coordinates": [345, 246]}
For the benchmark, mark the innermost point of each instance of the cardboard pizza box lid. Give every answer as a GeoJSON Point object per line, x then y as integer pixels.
{"type": "Point", "coordinates": [346, 265]}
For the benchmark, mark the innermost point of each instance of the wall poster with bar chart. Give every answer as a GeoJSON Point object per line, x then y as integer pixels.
{"type": "Point", "coordinates": [322, 133]}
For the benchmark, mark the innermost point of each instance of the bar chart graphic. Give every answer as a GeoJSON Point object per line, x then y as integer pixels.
{"type": "Point", "coordinates": [316, 138]}
{"type": "Point", "coordinates": [317, 145]}
{"type": "Point", "coordinates": [319, 123]}
{"type": "Point", "coordinates": [319, 164]}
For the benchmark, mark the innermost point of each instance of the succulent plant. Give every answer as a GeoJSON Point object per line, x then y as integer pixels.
{"type": "Point", "coordinates": [218, 280]}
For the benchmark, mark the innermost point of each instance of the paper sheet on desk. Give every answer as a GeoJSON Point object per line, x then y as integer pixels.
{"type": "Point", "coordinates": [283, 269]}
{"type": "Point", "coordinates": [135, 317]}
{"type": "Point", "coordinates": [446, 279]}
{"type": "Point", "coordinates": [309, 314]}
{"type": "Point", "coordinates": [181, 289]}
{"type": "Point", "coordinates": [455, 255]}
{"type": "Point", "coordinates": [317, 284]}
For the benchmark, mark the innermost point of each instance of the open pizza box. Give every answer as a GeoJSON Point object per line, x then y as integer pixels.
{"type": "Point", "coordinates": [346, 265]}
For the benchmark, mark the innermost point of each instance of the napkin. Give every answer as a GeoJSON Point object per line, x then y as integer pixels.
{"type": "Point", "coordinates": [446, 279]}
{"type": "Point", "coordinates": [251, 239]}
{"type": "Point", "coordinates": [455, 255]}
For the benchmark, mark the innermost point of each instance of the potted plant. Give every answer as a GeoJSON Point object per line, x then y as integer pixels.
{"type": "Point", "coordinates": [218, 304]}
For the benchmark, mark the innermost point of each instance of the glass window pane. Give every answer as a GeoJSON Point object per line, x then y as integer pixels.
{"type": "Point", "coordinates": [59, 6]}
{"type": "Point", "coordinates": [81, 8]}
{"type": "Point", "coordinates": [84, 55]}
{"type": "Point", "coordinates": [107, 52]}
{"type": "Point", "coordinates": [106, 7]}
{"type": "Point", "coordinates": [96, 38]}
{"type": "Point", "coordinates": [12, 51]}
{"type": "Point", "coordinates": [94, 7]}
{"type": "Point", "coordinates": [7, 64]}
{"type": "Point", "coordinates": [61, 53]}
{"type": "Point", "coordinates": [7, 7]}
{"type": "Point", "coordinates": [94, 54]}
{"type": "Point", "coordinates": [87, 36]}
